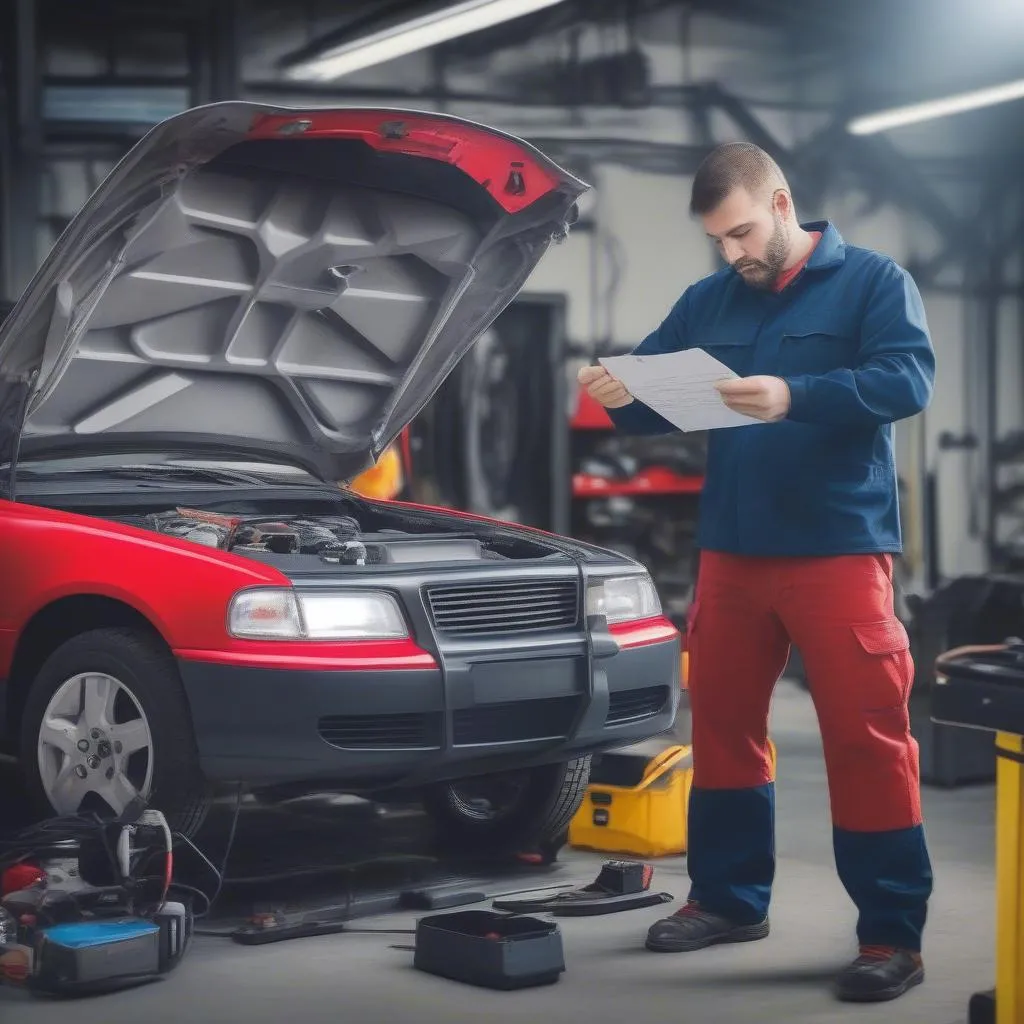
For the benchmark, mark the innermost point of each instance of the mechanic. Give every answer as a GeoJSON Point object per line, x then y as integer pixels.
{"type": "Point", "coordinates": [799, 523]}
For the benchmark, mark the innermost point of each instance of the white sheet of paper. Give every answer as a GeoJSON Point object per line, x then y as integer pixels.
{"type": "Point", "coordinates": [680, 386]}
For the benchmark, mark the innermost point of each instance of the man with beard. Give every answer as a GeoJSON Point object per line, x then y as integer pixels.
{"type": "Point", "coordinates": [798, 526]}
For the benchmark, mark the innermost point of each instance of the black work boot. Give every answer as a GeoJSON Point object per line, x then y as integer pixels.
{"type": "Point", "coordinates": [878, 974]}
{"type": "Point", "coordinates": [691, 928]}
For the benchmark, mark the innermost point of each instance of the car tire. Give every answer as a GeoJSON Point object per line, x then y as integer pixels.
{"type": "Point", "coordinates": [544, 801]}
{"type": "Point", "coordinates": [112, 675]}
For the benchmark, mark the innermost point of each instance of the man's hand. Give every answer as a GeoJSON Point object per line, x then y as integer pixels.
{"type": "Point", "coordinates": [603, 387]}
{"type": "Point", "coordinates": [764, 398]}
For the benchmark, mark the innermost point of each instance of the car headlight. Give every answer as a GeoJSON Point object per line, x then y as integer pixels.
{"type": "Point", "coordinates": [623, 598]}
{"type": "Point", "coordinates": [279, 614]}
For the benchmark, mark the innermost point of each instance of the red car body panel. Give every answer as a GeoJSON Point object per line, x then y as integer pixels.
{"type": "Point", "coordinates": [181, 588]}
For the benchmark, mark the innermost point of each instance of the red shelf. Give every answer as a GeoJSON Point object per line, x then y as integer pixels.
{"type": "Point", "coordinates": [655, 480]}
{"type": "Point", "coordinates": [590, 415]}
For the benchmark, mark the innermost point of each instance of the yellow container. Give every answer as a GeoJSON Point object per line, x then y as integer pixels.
{"type": "Point", "coordinates": [645, 820]}
{"type": "Point", "coordinates": [1009, 879]}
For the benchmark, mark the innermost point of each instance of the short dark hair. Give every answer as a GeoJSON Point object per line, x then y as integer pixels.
{"type": "Point", "coordinates": [728, 167]}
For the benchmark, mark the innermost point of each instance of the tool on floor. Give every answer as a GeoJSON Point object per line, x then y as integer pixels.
{"type": "Point", "coordinates": [85, 916]}
{"type": "Point", "coordinates": [440, 898]}
{"type": "Point", "coordinates": [619, 886]}
{"type": "Point", "coordinates": [466, 882]}
{"type": "Point", "coordinates": [490, 950]}
{"type": "Point", "coordinates": [277, 926]}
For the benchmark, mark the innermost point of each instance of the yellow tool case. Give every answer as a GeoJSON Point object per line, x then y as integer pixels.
{"type": "Point", "coordinates": [644, 816]}
{"type": "Point", "coordinates": [638, 805]}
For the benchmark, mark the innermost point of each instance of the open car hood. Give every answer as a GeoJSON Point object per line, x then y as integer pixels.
{"type": "Point", "coordinates": [291, 285]}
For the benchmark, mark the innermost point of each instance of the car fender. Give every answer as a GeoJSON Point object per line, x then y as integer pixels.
{"type": "Point", "coordinates": [183, 589]}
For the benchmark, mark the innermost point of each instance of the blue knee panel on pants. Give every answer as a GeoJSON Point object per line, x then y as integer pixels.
{"type": "Point", "coordinates": [732, 851]}
{"type": "Point", "coordinates": [889, 878]}
{"type": "Point", "coordinates": [731, 860]}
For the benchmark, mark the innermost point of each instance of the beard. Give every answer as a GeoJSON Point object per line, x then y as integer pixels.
{"type": "Point", "coordinates": [764, 273]}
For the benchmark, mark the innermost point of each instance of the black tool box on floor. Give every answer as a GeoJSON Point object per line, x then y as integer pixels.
{"type": "Point", "coordinates": [492, 950]}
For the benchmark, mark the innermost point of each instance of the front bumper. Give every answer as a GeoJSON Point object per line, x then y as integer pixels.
{"type": "Point", "coordinates": [481, 712]}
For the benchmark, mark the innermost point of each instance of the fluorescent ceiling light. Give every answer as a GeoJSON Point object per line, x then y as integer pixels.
{"type": "Point", "coordinates": [915, 113]}
{"type": "Point", "coordinates": [413, 35]}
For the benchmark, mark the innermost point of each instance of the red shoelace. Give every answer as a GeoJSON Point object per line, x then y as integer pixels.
{"type": "Point", "coordinates": [877, 952]}
{"type": "Point", "coordinates": [689, 909]}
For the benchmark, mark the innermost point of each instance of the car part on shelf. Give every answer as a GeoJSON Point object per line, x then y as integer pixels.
{"type": "Point", "coordinates": [685, 454]}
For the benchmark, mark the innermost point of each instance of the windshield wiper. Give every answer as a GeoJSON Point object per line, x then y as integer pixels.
{"type": "Point", "coordinates": [217, 476]}
{"type": "Point", "coordinates": [157, 472]}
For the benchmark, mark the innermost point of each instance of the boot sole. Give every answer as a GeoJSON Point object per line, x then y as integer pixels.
{"type": "Point", "coordinates": [884, 995]}
{"type": "Point", "coordinates": [747, 933]}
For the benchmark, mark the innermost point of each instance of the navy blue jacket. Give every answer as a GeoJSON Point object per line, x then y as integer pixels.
{"type": "Point", "coordinates": [850, 338]}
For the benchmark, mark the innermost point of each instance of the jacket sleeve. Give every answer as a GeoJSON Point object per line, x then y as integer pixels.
{"type": "Point", "coordinates": [670, 336]}
{"type": "Point", "coordinates": [896, 373]}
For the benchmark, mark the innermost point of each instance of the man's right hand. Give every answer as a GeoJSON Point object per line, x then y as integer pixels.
{"type": "Point", "coordinates": [603, 387]}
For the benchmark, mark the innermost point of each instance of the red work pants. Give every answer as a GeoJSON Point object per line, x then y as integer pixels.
{"type": "Point", "coordinates": [839, 613]}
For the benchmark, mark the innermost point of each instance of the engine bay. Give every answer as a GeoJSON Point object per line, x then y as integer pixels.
{"type": "Point", "coordinates": [334, 539]}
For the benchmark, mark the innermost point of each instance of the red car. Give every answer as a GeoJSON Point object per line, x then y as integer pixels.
{"type": "Point", "coordinates": [248, 310]}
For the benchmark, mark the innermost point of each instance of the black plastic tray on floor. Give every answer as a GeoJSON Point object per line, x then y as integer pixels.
{"type": "Point", "coordinates": [490, 950]}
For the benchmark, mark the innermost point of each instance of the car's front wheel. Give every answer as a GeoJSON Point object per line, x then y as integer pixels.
{"type": "Point", "coordinates": [512, 812]}
{"type": "Point", "coordinates": [107, 723]}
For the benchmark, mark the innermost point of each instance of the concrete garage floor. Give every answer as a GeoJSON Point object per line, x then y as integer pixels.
{"type": "Point", "coordinates": [610, 977]}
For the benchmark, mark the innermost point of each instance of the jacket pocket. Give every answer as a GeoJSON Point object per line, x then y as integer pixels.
{"type": "Point", "coordinates": [807, 351]}
{"type": "Point", "coordinates": [734, 353]}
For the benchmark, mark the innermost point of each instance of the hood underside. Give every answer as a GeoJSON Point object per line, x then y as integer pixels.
{"type": "Point", "coordinates": [290, 285]}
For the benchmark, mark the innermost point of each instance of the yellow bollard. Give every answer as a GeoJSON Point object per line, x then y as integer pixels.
{"type": "Point", "coordinates": [1009, 880]}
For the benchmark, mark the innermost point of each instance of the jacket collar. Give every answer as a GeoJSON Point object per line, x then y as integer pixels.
{"type": "Point", "coordinates": [830, 250]}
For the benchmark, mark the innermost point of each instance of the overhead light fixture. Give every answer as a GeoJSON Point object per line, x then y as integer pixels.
{"type": "Point", "coordinates": [915, 113]}
{"type": "Point", "coordinates": [415, 34]}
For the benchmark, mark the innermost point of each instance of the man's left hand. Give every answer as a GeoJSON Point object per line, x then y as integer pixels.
{"type": "Point", "coordinates": [764, 398]}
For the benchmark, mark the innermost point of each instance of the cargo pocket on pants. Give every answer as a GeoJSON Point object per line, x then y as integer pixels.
{"type": "Point", "coordinates": [887, 671]}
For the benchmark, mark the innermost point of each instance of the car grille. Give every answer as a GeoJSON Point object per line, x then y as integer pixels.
{"type": "Point", "coordinates": [515, 722]}
{"type": "Point", "coordinates": [509, 607]}
{"type": "Point", "coordinates": [382, 732]}
{"type": "Point", "coordinates": [635, 705]}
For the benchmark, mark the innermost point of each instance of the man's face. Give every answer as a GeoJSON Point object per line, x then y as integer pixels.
{"type": "Point", "coordinates": [751, 235]}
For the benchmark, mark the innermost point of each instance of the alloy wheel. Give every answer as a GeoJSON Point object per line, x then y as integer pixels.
{"type": "Point", "coordinates": [95, 747]}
